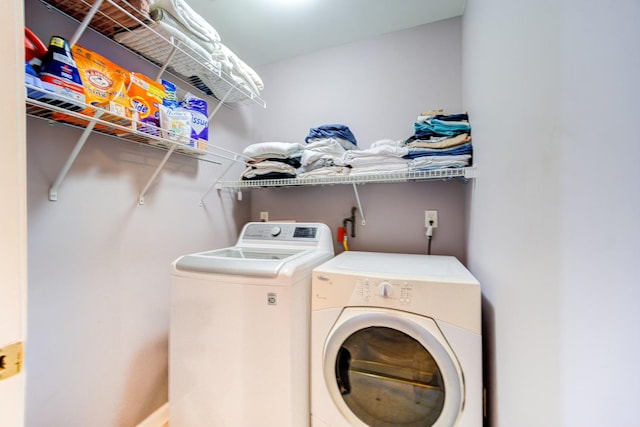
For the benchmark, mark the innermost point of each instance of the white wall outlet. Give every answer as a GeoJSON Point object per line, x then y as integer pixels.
{"type": "Point", "coordinates": [431, 219]}
{"type": "Point", "coordinates": [264, 216]}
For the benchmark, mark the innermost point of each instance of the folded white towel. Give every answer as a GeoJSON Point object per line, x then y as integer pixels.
{"type": "Point", "coordinates": [391, 142]}
{"type": "Point", "coordinates": [379, 150]}
{"type": "Point", "coordinates": [180, 10]}
{"type": "Point", "coordinates": [266, 167]}
{"type": "Point", "coordinates": [278, 150]}
{"type": "Point", "coordinates": [240, 71]}
{"type": "Point", "coordinates": [326, 171]}
{"type": "Point", "coordinates": [346, 144]}
{"type": "Point", "coordinates": [328, 148]}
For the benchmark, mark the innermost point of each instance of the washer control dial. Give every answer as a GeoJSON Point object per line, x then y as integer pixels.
{"type": "Point", "coordinates": [275, 231]}
{"type": "Point", "coordinates": [385, 289]}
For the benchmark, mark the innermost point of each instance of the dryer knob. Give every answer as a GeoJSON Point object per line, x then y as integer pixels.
{"type": "Point", "coordinates": [385, 289]}
{"type": "Point", "coordinates": [275, 231]}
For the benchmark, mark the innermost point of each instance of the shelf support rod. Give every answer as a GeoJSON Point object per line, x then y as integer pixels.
{"type": "Point", "coordinates": [355, 190]}
{"type": "Point", "coordinates": [53, 191]}
{"type": "Point", "coordinates": [221, 102]}
{"type": "Point", "coordinates": [174, 49]}
{"type": "Point", "coordinates": [215, 184]}
{"type": "Point", "coordinates": [155, 174]}
{"type": "Point", "coordinates": [85, 23]}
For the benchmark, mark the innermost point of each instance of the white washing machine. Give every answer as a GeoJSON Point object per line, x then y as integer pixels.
{"type": "Point", "coordinates": [395, 341]}
{"type": "Point", "coordinates": [239, 334]}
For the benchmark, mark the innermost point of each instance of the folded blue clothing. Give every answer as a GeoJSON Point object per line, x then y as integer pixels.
{"type": "Point", "coordinates": [453, 151]}
{"type": "Point", "coordinates": [450, 125]}
{"type": "Point", "coordinates": [452, 117]}
{"type": "Point", "coordinates": [435, 127]}
{"type": "Point", "coordinates": [331, 130]}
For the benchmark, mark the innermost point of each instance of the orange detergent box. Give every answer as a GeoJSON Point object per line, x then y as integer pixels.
{"type": "Point", "coordinates": [105, 85]}
{"type": "Point", "coordinates": [146, 97]}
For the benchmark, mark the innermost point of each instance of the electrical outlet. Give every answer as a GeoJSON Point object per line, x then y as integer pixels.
{"type": "Point", "coordinates": [264, 216]}
{"type": "Point", "coordinates": [431, 216]}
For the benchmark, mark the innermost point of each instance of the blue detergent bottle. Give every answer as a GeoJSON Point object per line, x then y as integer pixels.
{"type": "Point", "coordinates": [60, 77]}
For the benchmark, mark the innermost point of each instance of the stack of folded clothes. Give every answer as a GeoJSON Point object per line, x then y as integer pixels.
{"type": "Point", "coordinates": [272, 160]}
{"type": "Point", "coordinates": [383, 157]}
{"type": "Point", "coordinates": [340, 133]}
{"type": "Point", "coordinates": [323, 154]}
{"type": "Point", "coordinates": [440, 140]}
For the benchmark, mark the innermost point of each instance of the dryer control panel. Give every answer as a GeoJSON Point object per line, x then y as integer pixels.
{"type": "Point", "coordinates": [373, 291]}
{"type": "Point", "coordinates": [337, 290]}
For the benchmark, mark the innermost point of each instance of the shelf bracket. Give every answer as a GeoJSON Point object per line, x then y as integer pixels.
{"type": "Point", "coordinates": [174, 49]}
{"type": "Point", "coordinates": [85, 23]}
{"type": "Point", "coordinates": [221, 102]}
{"type": "Point", "coordinates": [470, 172]}
{"type": "Point", "coordinates": [215, 184]}
{"type": "Point", "coordinates": [155, 174]}
{"type": "Point", "coordinates": [355, 190]}
{"type": "Point", "coordinates": [53, 190]}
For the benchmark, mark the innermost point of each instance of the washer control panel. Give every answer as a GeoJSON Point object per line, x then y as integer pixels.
{"type": "Point", "coordinates": [383, 291]}
{"type": "Point", "coordinates": [277, 231]}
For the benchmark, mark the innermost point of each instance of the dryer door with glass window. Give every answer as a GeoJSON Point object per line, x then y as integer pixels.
{"type": "Point", "coordinates": [387, 368]}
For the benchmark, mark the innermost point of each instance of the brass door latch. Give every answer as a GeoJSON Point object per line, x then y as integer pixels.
{"type": "Point", "coordinates": [10, 360]}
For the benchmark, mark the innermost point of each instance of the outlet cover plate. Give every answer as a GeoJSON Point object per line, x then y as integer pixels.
{"type": "Point", "coordinates": [431, 216]}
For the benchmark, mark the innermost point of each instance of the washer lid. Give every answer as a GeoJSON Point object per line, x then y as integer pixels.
{"type": "Point", "coordinates": [239, 261]}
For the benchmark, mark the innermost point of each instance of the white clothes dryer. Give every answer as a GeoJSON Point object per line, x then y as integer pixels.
{"type": "Point", "coordinates": [395, 342]}
{"type": "Point", "coordinates": [239, 330]}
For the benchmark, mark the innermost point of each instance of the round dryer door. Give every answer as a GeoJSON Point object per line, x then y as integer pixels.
{"type": "Point", "coordinates": [387, 368]}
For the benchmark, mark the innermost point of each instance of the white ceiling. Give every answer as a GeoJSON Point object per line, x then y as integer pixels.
{"type": "Point", "coordinates": [265, 31]}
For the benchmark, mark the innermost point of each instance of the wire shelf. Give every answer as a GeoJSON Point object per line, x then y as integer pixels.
{"type": "Point", "coordinates": [429, 175]}
{"type": "Point", "coordinates": [59, 114]}
{"type": "Point", "coordinates": [136, 31]}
